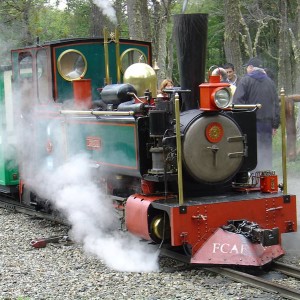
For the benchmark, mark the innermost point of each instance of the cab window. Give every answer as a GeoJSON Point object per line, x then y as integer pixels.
{"type": "Point", "coordinates": [25, 66]}
{"type": "Point", "coordinates": [131, 56]}
{"type": "Point", "coordinates": [42, 76]}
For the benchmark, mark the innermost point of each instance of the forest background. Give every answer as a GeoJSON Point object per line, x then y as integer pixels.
{"type": "Point", "coordinates": [237, 29]}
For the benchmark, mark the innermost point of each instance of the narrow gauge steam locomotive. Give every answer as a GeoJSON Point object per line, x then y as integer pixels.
{"type": "Point", "coordinates": [176, 167]}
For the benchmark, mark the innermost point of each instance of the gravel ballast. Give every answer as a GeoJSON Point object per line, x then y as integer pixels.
{"type": "Point", "coordinates": [64, 271]}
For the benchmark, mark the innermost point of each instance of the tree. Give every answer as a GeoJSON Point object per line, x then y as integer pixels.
{"type": "Point", "coordinates": [259, 21]}
{"type": "Point", "coordinates": [285, 68]}
{"type": "Point", "coordinates": [19, 13]}
{"type": "Point", "coordinates": [238, 29]}
{"type": "Point", "coordinates": [139, 14]}
{"type": "Point", "coordinates": [163, 50]}
{"type": "Point", "coordinates": [138, 20]}
{"type": "Point", "coordinates": [231, 33]}
{"type": "Point", "coordinates": [294, 33]}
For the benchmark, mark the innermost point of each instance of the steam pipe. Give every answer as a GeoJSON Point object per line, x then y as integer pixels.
{"type": "Point", "coordinates": [283, 139]}
{"type": "Point", "coordinates": [97, 113]}
{"type": "Point", "coordinates": [135, 96]}
{"type": "Point", "coordinates": [179, 154]}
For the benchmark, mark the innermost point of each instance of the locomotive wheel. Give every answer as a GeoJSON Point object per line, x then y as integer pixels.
{"type": "Point", "coordinates": [160, 228]}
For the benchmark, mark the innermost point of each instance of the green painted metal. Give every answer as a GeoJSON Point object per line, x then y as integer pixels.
{"type": "Point", "coordinates": [118, 140]}
{"type": "Point", "coordinates": [2, 161]}
{"type": "Point", "coordinates": [115, 149]}
{"type": "Point", "coordinates": [9, 174]}
{"type": "Point", "coordinates": [117, 143]}
{"type": "Point", "coordinates": [94, 54]}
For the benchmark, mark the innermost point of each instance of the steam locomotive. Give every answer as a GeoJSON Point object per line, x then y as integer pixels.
{"type": "Point", "coordinates": [176, 167]}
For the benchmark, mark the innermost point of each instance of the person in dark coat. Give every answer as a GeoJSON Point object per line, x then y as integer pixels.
{"type": "Point", "coordinates": [256, 87]}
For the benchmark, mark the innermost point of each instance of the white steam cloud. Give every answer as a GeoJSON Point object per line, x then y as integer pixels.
{"type": "Point", "coordinates": [92, 216]}
{"type": "Point", "coordinates": [107, 8]}
{"type": "Point", "coordinates": [73, 188]}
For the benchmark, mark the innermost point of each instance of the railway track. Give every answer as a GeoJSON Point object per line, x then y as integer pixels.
{"type": "Point", "coordinates": [257, 281]}
{"type": "Point", "coordinates": [265, 284]}
{"type": "Point", "coordinates": [287, 269]}
{"type": "Point", "coordinates": [251, 280]}
{"type": "Point", "coordinates": [13, 205]}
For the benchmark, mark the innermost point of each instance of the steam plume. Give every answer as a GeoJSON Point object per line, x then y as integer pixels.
{"type": "Point", "coordinates": [72, 189]}
{"type": "Point", "coordinates": [107, 9]}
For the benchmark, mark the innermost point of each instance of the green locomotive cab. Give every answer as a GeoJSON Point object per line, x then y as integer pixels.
{"type": "Point", "coordinates": [49, 72]}
{"type": "Point", "coordinates": [9, 173]}
{"type": "Point", "coordinates": [71, 74]}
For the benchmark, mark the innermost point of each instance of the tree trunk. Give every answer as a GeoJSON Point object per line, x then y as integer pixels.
{"type": "Point", "coordinates": [27, 37]}
{"type": "Point", "coordinates": [97, 25]}
{"type": "Point", "coordinates": [296, 49]}
{"type": "Point", "coordinates": [145, 21]}
{"type": "Point", "coordinates": [284, 52]}
{"type": "Point", "coordinates": [231, 34]}
{"type": "Point", "coordinates": [160, 44]}
{"type": "Point", "coordinates": [135, 24]}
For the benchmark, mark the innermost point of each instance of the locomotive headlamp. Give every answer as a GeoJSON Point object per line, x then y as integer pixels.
{"type": "Point", "coordinates": [215, 95]}
{"type": "Point", "coordinates": [222, 97]}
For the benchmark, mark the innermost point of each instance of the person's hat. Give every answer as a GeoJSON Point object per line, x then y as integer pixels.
{"type": "Point", "coordinates": [255, 62]}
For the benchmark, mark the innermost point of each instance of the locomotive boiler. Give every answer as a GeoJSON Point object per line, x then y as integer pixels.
{"type": "Point", "coordinates": [177, 168]}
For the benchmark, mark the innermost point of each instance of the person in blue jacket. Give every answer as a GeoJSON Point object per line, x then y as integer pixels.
{"type": "Point", "coordinates": [256, 87]}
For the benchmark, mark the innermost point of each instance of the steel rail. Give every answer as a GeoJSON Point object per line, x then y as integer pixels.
{"type": "Point", "coordinates": [255, 281]}
{"type": "Point", "coordinates": [252, 280]}
{"type": "Point", "coordinates": [15, 206]}
{"type": "Point", "coordinates": [287, 269]}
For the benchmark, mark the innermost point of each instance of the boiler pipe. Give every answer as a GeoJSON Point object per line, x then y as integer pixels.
{"type": "Point", "coordinates": [97, 113]}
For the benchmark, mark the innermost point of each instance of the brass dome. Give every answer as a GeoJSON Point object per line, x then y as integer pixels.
{"type": "Point", "coordinates": [142, 77]}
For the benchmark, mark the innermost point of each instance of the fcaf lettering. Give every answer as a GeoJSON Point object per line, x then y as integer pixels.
{"type": "Point", "coordinates": [228, 248]}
